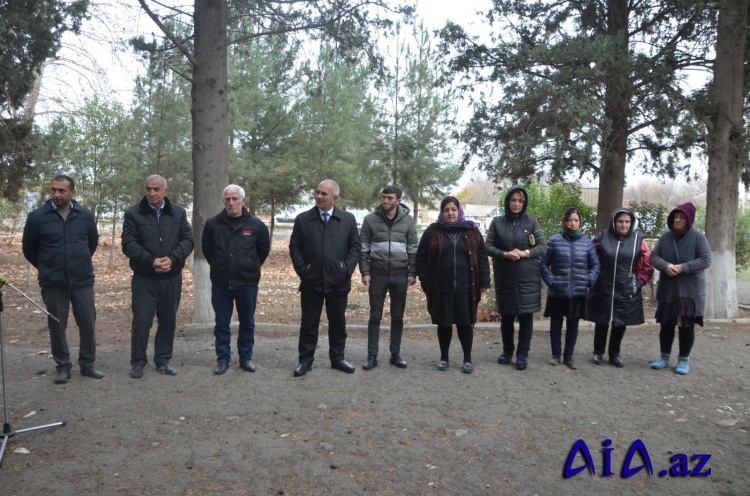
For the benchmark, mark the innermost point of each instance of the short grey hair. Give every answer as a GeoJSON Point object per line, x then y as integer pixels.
{"type": "Point", "coordinates": [336, 189]}
{"type": "Point", "coordinates": [154, 177]}
{"type": "Point", "coordinates": [233, 187]}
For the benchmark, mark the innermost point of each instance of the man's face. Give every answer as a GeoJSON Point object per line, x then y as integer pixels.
{"type": "Point", "coordinates": [155, 192]}
{"type": "Point", "coordinates": [62, 194]}
{"type": "Point", "coordinates": [324, 198]}
{"type": "Point", "coordinates": [233, 203]}
{"type": "Point", "coordinates": [389, 201]}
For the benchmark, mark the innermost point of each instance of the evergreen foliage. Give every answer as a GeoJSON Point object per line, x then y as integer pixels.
{"type": "Point", "coordinates": [30, 32]}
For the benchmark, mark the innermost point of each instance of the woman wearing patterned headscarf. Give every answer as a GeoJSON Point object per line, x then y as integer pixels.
{"type": "Point", "coordinates": [454, 271]}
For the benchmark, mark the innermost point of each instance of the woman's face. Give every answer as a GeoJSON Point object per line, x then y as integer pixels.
{"type": "Point", "coordinates": [573, 223]}
{"type": "Point", "coordinates": [516, 202]}
{"type": "Point", "coordinates": [679, 223]}
{"type": "Point", "coordinates": [450, 213]}
{"type": "Point", "coordinates": [622, 224]}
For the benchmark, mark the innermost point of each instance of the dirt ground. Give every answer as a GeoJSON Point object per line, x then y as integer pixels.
{"type": "Point", "coordinates": [385, 431]}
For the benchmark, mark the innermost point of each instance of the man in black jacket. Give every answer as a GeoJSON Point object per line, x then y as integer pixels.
{"type": "Point", "coordinates": [157, 238]}
{"type": "Point", "coordinates": [235, 245]}
{"type": "Point", "coordinates": [59, 239]}
{"type": "Point", "coordinates": [324, 247]}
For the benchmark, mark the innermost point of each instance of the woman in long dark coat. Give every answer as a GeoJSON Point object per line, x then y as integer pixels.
{"type": "Point", "coordinates": [454, 272]}
{"type": "Point", "coordinates": [516, 244]}
{"type": "Point", "coordinates": [681, 255]}
{"type": "Point", "coordinates": [616, 299]}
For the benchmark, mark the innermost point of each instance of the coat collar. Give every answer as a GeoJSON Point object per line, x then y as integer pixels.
{"type": "Point", "coordinates": [145, 208]}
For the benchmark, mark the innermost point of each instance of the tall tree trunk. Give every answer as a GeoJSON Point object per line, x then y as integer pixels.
{"type": "Point", "coordinates": [618, 91]}
{"type": "Point", "coordinates": [210, 105]}
{"type": "Point", "coordinates": [725, 135]}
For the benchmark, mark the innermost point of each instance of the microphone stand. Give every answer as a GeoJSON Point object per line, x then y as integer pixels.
{"type": "Point", "coordinates": [8, 431]}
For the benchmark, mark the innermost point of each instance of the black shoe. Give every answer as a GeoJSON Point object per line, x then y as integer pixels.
{"type": "Point", "coordinates": [92, 372]}
{"type": "Point", "coordinates": [442, 365]}
{"type": "Point", "coordinates": [167, 369]}
{"type": "Point", "coordinates": [597, 359]}
{"type": "Point", "coordinates": [370, 363]}
{"type": "Point", "coordinates": [570, 363]}
{"type": "Point", "coordinates": [468, 368]}
{"type": "Point", "coordinates": [343, 366]}
{"type": "Point", "coordinates": [221, 367]}
{"type": "Point", "coordinates": [62, 376]}
{"type": "Point", "coordinates": [247, 365]}
{"type": "Point", "coordinates": [137, 371]}
{"type": "Point", "coordinates": [398, 361]}
{"type": "Point", "coordinates": [302, 369]}
{"type": "Point", "coordinates": [617, 361]}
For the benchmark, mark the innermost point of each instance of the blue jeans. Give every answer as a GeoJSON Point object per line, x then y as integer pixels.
{"type": "Point", "coordinates": [380, 285]}
{"type": "Point", "coordinates": [58, 302]}
{"type": "Point", "coordinates": [223, 301]}
{"type": "Point", "coordinates": [555, 336]}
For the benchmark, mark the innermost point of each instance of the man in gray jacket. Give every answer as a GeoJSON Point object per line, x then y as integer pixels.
{"type": "Point", "coordinates": [388, 265]}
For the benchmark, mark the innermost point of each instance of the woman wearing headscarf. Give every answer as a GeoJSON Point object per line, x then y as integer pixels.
{"type": "Point", "coordinates": [616, 299]}
{"type": "Point", "coordinates": [681, 255]}
{"type": "Point", "coordinates": [516, 244]}
{"type": "Point", "coordinates": [569, 268]}
{"type": "Point", "coordinates": [454, 271]}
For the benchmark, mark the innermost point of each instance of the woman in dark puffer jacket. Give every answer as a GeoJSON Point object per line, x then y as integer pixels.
{"type": "Point", "coordinates": [569, 268]}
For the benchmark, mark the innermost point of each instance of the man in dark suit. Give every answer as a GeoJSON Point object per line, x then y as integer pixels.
{"type": "Point", "coordinates": [325, 249]}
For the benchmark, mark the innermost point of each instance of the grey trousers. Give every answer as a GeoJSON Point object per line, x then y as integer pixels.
{"type": "Point", "coordinates": [58, 301]}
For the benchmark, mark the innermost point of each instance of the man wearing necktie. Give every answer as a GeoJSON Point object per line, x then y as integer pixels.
{"type": "Point", "coordinates": [324, 248]}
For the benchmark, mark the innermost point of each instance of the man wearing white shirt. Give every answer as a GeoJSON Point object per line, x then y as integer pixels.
{"type": "Point", "coordinates": [324, 248]}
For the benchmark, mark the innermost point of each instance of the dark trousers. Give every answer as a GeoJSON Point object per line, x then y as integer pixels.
{"type": "Point", "coordinates": [223, 301]}
{"type": "Point", "coordinates": [555, 336]}
{"type": "Point", "coordinates": [312, 307]}
{"type": "Point", "coordinates": [666, 338]}
{"type": "Point", "coordinates": [525, 330]}
{"type": "Point", "coordinates": [380, 285]}
{"type": "Point", "coordinates": [615, 339]}
{"type": "Point", "coordinates": [465, 337]}
{"type": "Point", "coordinates": [154, 297]}
{"type": "Point", "coordinates": [58, 302]}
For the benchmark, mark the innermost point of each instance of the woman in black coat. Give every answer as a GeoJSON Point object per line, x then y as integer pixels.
{"type": "Point", "coordinates": [454, 271]}
{"type": "Point", "coordinates": [516, 244]}
{"type": "Point", "coordinates": [616, 298]}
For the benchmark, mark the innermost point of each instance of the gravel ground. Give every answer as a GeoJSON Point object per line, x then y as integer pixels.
{"type": "Point", "coordinates": [386, 431]}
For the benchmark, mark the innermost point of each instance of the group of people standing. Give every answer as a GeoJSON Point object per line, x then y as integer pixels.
{"type": "Point", "coordinates": [599, 280]}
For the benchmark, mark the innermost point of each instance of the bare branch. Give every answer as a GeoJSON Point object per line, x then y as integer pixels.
{"type": "Point", "coordinates": [180, 46]}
